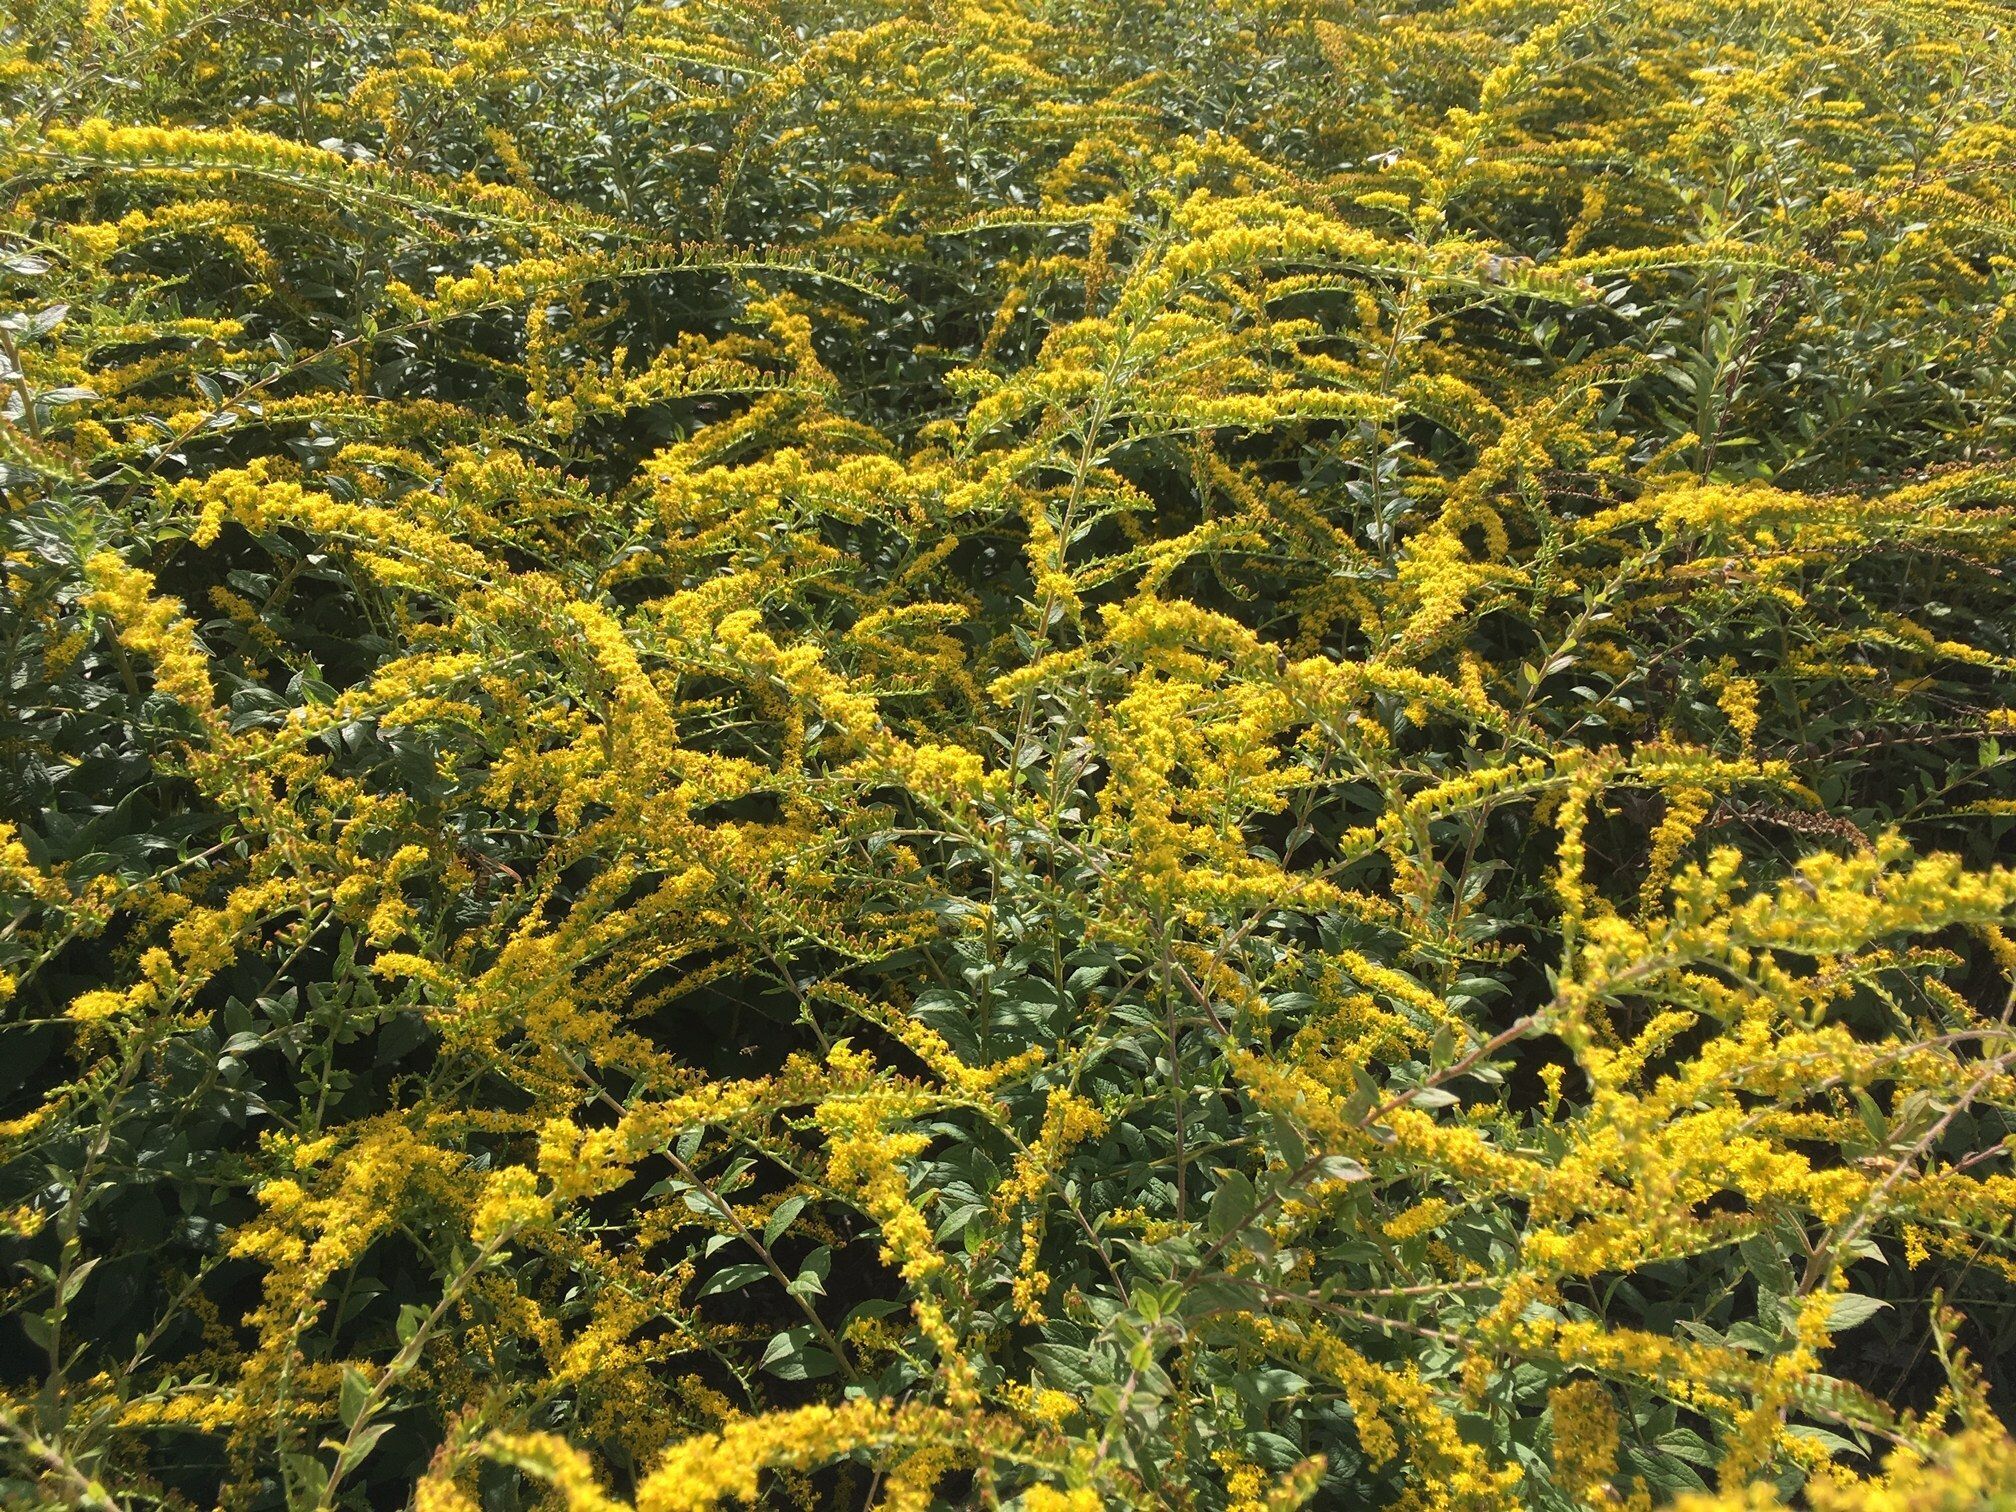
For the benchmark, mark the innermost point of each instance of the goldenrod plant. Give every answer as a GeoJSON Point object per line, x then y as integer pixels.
{"type": "Point", "coordinates": [1027, 754]}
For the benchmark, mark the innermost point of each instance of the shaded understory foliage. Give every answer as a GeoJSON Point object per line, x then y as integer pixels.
{"type": "Point", "coordinates": [1025, 753]}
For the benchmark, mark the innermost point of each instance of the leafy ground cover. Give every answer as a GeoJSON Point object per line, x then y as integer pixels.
{"type": "Point", "coordinates": [1008, 753]}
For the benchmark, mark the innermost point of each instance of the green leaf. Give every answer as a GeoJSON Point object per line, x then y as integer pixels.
{"type": "Point", "coordinates": [306, 1477]}
{"type": "Point", "coordinates": [1339, 1168]}
{"type": "Point", "coordinates": [1851, 1309]}
{"type": "Point", "coordinates": [731, 1278]}
{"type": "Point", "coordinates": [351, 1395]}
{"type": "Point", "coordinates": [1687, 1445]}
{"type": "Point", "coordinates": [792, 1356]}
{"type": "Point", "coordinates": [1231, 1201]}
{"type": "Point", "coordinates": [780, 1218]}
{"type": "Point", "coordinates": [78, 1277]}
{"type": "Point", "coordinates": [1833, 1443]}
{"type": "Point", "coordinates": [811, 1279]}
{"type": "Point", "coordinates": [359, 1448]}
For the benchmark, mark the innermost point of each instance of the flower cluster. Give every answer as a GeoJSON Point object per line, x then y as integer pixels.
{"type": "Point", "coordinates": [878, 753]}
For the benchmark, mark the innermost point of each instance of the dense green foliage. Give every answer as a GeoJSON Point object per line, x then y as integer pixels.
{"type": "Point", "coordinates": [1010, 753]}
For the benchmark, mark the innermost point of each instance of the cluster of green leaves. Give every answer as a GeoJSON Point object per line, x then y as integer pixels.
{"type": "Point", "coordinates": [1125, 629]}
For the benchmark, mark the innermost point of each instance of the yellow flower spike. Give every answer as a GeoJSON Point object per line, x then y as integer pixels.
{"type": "Point", "coordinates": [153, 626]}
{"type": "Point", "coordinates": [700, 1473]}
{"type": "Point", "coordinates": [551, 1459]}
{"type": "Point", "coordinates": [1319, 689]}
